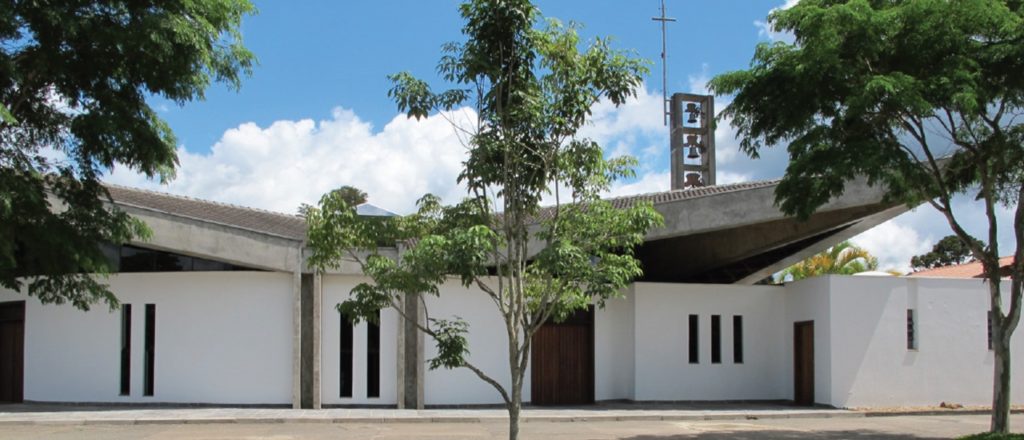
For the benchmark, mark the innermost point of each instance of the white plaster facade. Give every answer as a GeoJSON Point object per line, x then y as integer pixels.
{"type": "Point", "coordinates": [221, 337]}
{"type": "Point", "coordinates": [227, 338]}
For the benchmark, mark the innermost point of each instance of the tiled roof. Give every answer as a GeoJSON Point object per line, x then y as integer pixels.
{"type": "Point", "coordinates": [257, 220]}
{"type": "Point", "coordinates": [967, 270]}
{"type": "Point", "coordinates": [676, 195]}
{"type": "Point", "coordinates": [690, 193]}
{"type": "Point", "coordinates": [294, 227]}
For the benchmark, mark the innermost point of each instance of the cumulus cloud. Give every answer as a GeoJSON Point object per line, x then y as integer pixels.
{"type": "Point", "coordinates": [292, 162]}
{"type": "Point", "coordinates": [915, 232]}
{"type": "Point", "coordinates": [765, 30]}
{"type": "Point", "coordinates": [894, 243]}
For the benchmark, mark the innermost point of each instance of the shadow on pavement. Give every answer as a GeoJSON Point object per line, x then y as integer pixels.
{"type": "Point", "coordinates": [784, 435]}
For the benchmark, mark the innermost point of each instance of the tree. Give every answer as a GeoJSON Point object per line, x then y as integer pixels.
{"type": "Point", "coordinates": [921, 97]}
{"type": "Point", "coordinates": [74, 79]}
{"type": "Point", "coordinates": [947, 252]}
{"type": "Point", "coordinates": [841, 259]}
{"type": "Point", "coordinates": [532, 89]}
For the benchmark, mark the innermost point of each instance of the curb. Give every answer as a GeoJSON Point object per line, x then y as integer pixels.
{"type": "Point", "coordinates": [437, 419]}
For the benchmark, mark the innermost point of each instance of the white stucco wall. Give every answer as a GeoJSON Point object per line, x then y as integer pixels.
{"type": "Point", "coordinates": [808, 300]}
{"type": "Point", "coordinates": [221, 337]}
{"type": "Point", "coordinates": [614, 355]}
{"type": "Point", "coordinates": [871, 364]}
{"type": "Point", "coordinates": [336, 289]}
{"type": "Point", "coordinates": [663, 371]}
{"type": "Point", "coordinates": [488, 348]}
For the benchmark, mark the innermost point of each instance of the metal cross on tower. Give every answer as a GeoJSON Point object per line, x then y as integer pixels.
{"type": "Point", "coordinates": [694, 139]}
{"type": "Point", "coordinates": [664, 61]}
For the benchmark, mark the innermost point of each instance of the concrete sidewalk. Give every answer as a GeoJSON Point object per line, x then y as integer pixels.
{"type": "Point", "coordinates": [127, 415]}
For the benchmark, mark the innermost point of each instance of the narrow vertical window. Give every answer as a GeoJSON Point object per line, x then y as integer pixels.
{"type": "Point", "coordinates": [716, 339]}
{"type": "Point", "coordinates": [737, 339]}
{"type": "Point", "coordinates": [694, 339]}
{"type": "Point", "coordinates": [345, 365]}
{"type": "Point", "coordinates": [373, 357]}
{"type": "Point", "coordinates": [126, 349]}
{"type": "Point", "coordinates": [147, 387]}
{"type": "Point", "coordinates": [911, 330]}
{"type": "Point", "coordinates": [989, 329]}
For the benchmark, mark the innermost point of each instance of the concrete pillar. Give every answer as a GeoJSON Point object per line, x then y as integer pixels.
{"type": "Point", "coordinates": [410, 356]}
{"type": "Point", "coordinates": [310, 355]}
{"type": "Point", "coordinates": [676, 141]}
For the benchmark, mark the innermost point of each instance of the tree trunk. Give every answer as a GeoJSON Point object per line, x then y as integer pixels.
{"type": "Point", "coordinates": [1001, 387]}
{"type": "Point", "coordinates": [513, 415]}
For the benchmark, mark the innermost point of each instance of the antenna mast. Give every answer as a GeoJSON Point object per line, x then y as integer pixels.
{"type": "Point", "coordinates": [664, 62]}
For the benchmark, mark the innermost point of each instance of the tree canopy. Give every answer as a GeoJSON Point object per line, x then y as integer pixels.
{"type": "Point", "coordinates": [532, 89]}
{"type": "Point", "coordinates": [75, 77]}
{"type": "Point", "coordinates": [923, 97]}
{"type": "Point", "coordinates": [949, 251]}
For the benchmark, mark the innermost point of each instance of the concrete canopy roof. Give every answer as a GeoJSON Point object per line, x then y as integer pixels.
{"type": "Point", "coordinates": [719, 234]}
{"type": "Point", "coordinates": [735, 233]}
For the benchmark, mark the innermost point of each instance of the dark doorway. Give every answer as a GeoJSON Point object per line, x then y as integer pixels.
{"type": "Point", "coordinates": [12, 351]}
{"type": "Point", "coordinates": [803, 363]}
{"type": "Point", "coordinates": [563, 361]}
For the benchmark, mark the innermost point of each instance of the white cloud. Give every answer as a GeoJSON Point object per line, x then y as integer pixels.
{"type": "Point", "coordinates": [648, 183]}
{"type": "Point", "coordinates": [639, 116]}
{"type": "Point", "coordinates": [764, 29]}
{"type": "Point", "coordinates": [292, 162]}
{"type": "Point", "coordinates": [894, 243]}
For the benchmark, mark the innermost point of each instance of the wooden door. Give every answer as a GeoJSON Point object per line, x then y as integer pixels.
{"type": "Point", "coordinates": [562, 367]}
{"type": "Point", "coordinates": [803, 363]}
{"type": "Point", "coordinates": [12, 351]}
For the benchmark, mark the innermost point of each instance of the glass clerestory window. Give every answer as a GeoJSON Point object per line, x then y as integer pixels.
{"type": "Point", "coordinates": [129, 258]}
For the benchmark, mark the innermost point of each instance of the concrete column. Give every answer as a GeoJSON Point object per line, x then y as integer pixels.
{"type": "Point", "coordinates": [410, 356]}
{"type": "Point", "coordinates": [310, 371]}
{"type": "Point", "coordinates": [676, 141]}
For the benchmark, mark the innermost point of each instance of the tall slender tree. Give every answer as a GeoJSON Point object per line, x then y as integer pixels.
{"type": "Point", "coordinates": [923, 97]}
{"type": "Point", "coordinates": [533, 90]}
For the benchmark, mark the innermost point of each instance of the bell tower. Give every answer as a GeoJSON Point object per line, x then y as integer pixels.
{"type": "Point", "coordinates": [691, 141]}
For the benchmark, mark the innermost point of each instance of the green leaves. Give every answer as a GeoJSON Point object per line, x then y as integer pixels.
{"type": "Point", "coordinates": [874, 89]}
{"type": "Point", "coordinates": [74, 79]}
{"type": "Point", "coordinates": [533, 89]}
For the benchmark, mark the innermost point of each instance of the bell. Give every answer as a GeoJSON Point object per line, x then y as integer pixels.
{"type": "Point", "coordinates": [693, 153]}
{"type": "Point", "coordinates": [692, 109]}
{"type": "Point", "coordinates": [693, 181]}
{"type": "Point", "coordinates": [691, 140]}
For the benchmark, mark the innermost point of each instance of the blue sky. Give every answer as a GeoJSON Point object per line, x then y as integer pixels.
{"type": "Point", "coordinates": [315, 114]}
{"type": "Point", "coordinates": [318, 55]}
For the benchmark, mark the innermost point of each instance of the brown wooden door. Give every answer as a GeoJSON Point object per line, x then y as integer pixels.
{"type": "Point", "coordinates": [12, 351]}
{"type": "Point", "coordinates": [803, 363]}
{"type": "Point", "coordinates": [562, 368]}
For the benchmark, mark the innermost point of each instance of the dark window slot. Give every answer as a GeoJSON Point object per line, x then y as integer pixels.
{"type": "Point", "coordinates": [373, 357]}
{"type": "Point", "coordinates": [345, 360]}
{"type": "Point", "coordinates": [694, 339]}
{"type": "Point", "coordinates": [148, 379]}
{"type": "Point", "coordinates": [716, 339]}
{"type": "Point", "coordinates": [911, 330]}
{"type": "Point", "coordinates": [737, 339]}
{"type": "Point", "coordinates": [126, 349]}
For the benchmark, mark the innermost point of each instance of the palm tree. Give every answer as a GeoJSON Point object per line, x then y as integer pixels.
{"type": "Point", "coordinates": [842, 259]}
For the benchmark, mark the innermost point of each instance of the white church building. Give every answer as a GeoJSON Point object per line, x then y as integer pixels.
{"type": "Point", "coordinates": [219, 307]}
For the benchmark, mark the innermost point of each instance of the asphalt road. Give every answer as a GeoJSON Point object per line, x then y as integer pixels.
{"type": "Point", "coordinates": [902, 427]}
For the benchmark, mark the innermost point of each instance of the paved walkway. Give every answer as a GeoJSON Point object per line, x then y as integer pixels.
{"type": "Point", "coordinates": [85, 415]}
